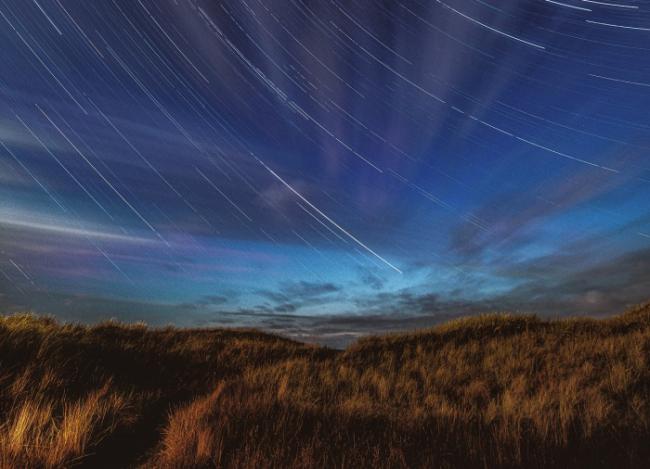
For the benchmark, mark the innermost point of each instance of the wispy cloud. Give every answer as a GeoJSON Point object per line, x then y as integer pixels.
{"type": "Point", "coordinates": [63, 228]}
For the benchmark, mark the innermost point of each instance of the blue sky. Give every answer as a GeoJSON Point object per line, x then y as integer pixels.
{"type": "Point", "coordinates": [323, 169]}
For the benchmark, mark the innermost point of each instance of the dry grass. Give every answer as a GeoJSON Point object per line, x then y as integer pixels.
{"type": "Point", "coordinates": [490, 391]}
{"type": "Point", "coordinates": [37, 434]}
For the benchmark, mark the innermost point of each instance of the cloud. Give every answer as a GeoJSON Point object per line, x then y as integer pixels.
{"type": "Point", "coordinates": [370, 279]}
{"type": "Point", "coordinates": [12, 176]}
{"type": "Point", "coordinates": [92, 308]}
{"type": "Point", "coordinates": [555, 285]}
{"type": "Point", "coordinates": [280, 198]}
{"type": "Point", "coordinates": [335, 331]}
{"type": "Point", "coordinates": [214, 299]}
{"type": "Point", "coordinates": [602, 288]}
{"type": "Point", "coordinates": [17, 136]}
{"type": "Point", "coordinates": [301, 293]}
{"type": "Point", "coordinates": [29, 220]}
{"type": "Point", "coordinates": [509, 219]}
{"type": "Point", "coordinates": [309, 289]}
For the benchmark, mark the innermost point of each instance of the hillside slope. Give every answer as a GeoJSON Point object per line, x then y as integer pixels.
{"type": "Point", "coordinates": [488, 391]}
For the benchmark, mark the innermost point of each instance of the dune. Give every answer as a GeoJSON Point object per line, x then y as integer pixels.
{"type": "Point", "coordinates": [495, 390]}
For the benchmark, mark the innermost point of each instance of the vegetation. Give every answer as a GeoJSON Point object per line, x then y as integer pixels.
{"type": "Point", "coordinates": [488, 391]}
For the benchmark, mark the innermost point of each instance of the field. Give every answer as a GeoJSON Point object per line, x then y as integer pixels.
{"type": "Point", "coordinates": [488, 391]}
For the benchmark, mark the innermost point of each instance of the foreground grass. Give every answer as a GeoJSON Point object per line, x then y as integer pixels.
{"type": "Point", "coordinates": [490, 391]}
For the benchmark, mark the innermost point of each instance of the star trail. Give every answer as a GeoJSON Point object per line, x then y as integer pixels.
{"type": "Point", "coordinates": [323, 169]}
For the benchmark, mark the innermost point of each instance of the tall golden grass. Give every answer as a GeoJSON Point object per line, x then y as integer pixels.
{"type": "Point", "coordinates": [488, 391]}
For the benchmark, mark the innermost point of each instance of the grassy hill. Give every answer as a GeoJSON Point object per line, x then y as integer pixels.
{"type": "Point", "coordinates": [488, 391]}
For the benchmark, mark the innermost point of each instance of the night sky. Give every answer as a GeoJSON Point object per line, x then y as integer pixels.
{"type": "Point", "coordinates": [323, 169]}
